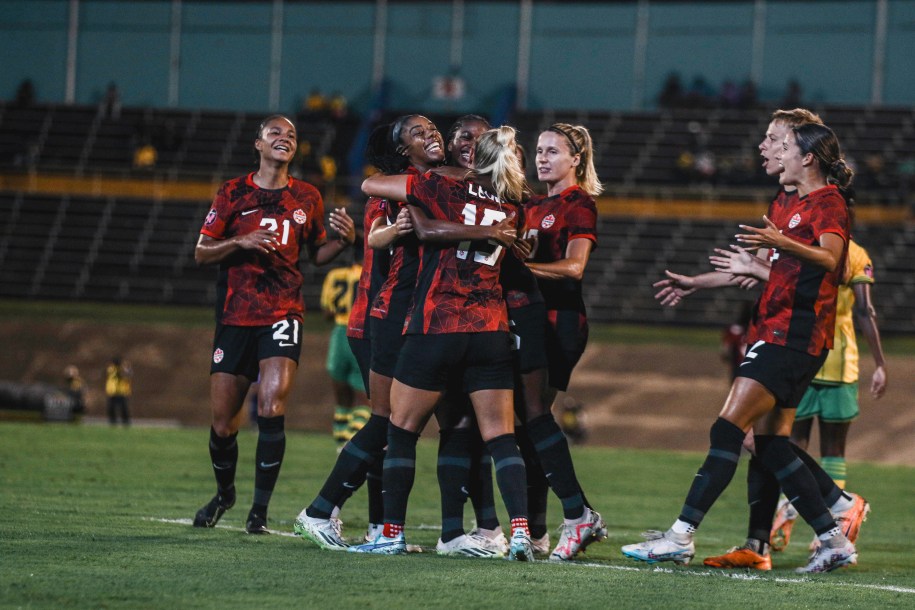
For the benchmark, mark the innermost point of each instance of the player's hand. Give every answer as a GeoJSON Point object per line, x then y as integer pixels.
{"type": "Point", "coordinates": [760, 237]}
{"type": "Point", "coordinates": [737, 260]}
{"type": "Point", "coordinates": [674, 289]}
{"type": "Point", "coordinates": [505, 232]}
{"type": "Point", "coordinates": [523, 248]}
{"type": "Point", "coordinates": [747, 282]}
{"type": "Point", "coordinates": [343, 225]}
{"type": "Point", "coordinates": [403, 222]}
{"type": "Point", "coordinates": [261, 240]}
{"type": "Point", "coordinates": [878, 382]}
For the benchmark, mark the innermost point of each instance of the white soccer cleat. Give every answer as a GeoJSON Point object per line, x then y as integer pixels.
{"type": "Point", "coordinates": [493, 539]}
{"type": "Point", "coordinates": [326, 533]}
{"type": "Point", "coordinates": [373, 531]}
{"type": "Point", "coordinates": [382, 545]}
{"type": "Point", "coordinates": [520, 548]}
{"type": "Point", "coordinates": [467, 546]}
{"type": "Point", "coordinates": [575, 537]}
{"type": "Point", "coordinates": [830, 555]}
{"type": "Point", "coordinates": [662, 546]}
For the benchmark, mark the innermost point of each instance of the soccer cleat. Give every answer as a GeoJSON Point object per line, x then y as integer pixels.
{"type": "Point", "coordinates": [467, 546]}
{"type": "Point", "coordinates": [850, 521]}
{"type": "Point", "coordinates": [373, 531]}
{"type": "Point", "coordinates": [520, 548]}
{"type": "Point", "coordinates": [782, 525]}
{"type": "Point", "coordinates": [541, 545]}
{"type": "Point", "coordinates": [493, 539]}
{"type": "Point", "coordinates": [382, 545]}
{"type": "Point", "coordinates": [740, 557]}
{"type": "Point", "coordinates": [831, 554]}
{"type": "Point", "coordinates": [209, 515]}
{"type": "Point", "coordinates": [256, 524]}
{"type": "Point", "coordinates": [575, 537]}
{"type": "Point", "coordinates": [323, 532]}
{"type": "Point", "coordinates": [662, 546]}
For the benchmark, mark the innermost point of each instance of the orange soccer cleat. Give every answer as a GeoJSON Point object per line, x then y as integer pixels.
{"type": "Point", "coordinates": [740, 557]}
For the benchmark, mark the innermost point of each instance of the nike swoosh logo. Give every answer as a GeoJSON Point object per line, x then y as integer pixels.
{"type": "Point", "coordinates": [287, 344]}
{"type": "Point", "coordinates": [266, 465]}
{"type": "Point", "coordinates": [349, 486]}
{"type": "Point", "coordinates": [218, 467]}
{"type": "Point", "coordinates": [246, 212]}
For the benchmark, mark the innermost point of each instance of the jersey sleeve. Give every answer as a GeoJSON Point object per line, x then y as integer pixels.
{"type": "Point", "coordinates": [861, 269]}
{"type": "Point", "coordinates": [317, 234]}
{"type": "Point", "coordinates": [423, 191]}
{"type": "Point", "coordinates": [214, 225]}
{"type": "Point", "coordinates": [831, 217]}
{"type": "Point", "coordinates": [582, 220]}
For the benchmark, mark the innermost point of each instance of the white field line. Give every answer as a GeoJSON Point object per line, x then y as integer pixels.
{"type": "Point", "coordinates": [656, 569]}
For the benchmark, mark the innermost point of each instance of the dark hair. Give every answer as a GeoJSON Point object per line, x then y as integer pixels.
{"type": "Point", "coordinates": [381, 151]}
{"type": "Point", "coordinates": [260, 130]}
{"type": "Point", "coordinates": [397, 128]}
{"type": "Point", "coordinates": [822, 143]}
{"type": "Point", "coordinates": [456, 127]}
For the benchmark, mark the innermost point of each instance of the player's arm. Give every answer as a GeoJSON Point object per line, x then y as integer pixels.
{"type": "Point", "coordinates": [827, 254]}
{"type": "Point", "coordinates": [210, 250]}
{"type": "Point", "coordinates": [428, 229]}
{"type": "Point", "coordinates": [392, 188]}
{"type": "Point", "coordinates": [741, 263]}
{"type": "Point", "coordinates": [866, 317]}
{"type": "Point", "coordinates": [327, 251]}
{"type": "Point", "coordinates": [381, 234]}
{"type": "Point", "coordinates": [572, 266]}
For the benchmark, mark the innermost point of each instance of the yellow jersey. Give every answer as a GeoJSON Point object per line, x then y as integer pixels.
{"type": "Point", "coordinates": [117, 380]}
{"type": "Point", "coordinates": [841, 365]}
{"type": "Point", "coordinates": [339, 292]}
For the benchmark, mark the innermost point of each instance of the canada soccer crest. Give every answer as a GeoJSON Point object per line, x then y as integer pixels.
{"type": "Point", "coordinates": [795, 221]}
{"type": "Point", "coordinates": [218, 355]}
{"type": "Point", "coordinates": [211, 216]}
{"type": "Point", "coordinates": [548, 221]}
{"type": "Point", "coordinates": [299, 216]}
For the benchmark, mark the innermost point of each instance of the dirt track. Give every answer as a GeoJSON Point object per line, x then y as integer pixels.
{"type": "Point", "coordinates": [649, 396]}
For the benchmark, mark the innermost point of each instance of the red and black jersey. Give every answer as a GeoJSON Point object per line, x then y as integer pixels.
{"type": "Point", "coordinates": [797, 307]}
{"type": "Point", "coordinates": [458, 288]}
{"type": "Point", "coordinates": [553, 222]}
{"type": "Point", "coordinates": [375, 264]}
{"type": "Point", "coordinates": [394, 299]}
{"type": "Point", "coordinates": [256, 289]}
{"type": "Point", "coordinates": [519, 286]}
{"type": "Point", "coordinates": [783, 201]}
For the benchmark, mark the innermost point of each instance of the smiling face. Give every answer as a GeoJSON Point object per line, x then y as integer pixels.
{"type": "Point", "coordinates": [772, 144]}
{"type": "Point", "coordinates": [555, 161]}
{"type": "Point", "coordinates": [792, 160]}
{"type": "Point", "coordinates": [277, 141]}
{"type": "Point", "coordinates": [461, 145]}
{"type": "Point", "coordinates": [421, 141]}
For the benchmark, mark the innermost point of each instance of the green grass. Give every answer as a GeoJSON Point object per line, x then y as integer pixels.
{"type": "Point", "coordinates": [86, 513]}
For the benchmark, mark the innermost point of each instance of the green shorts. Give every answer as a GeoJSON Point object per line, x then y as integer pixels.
{"type": "Point", "coordinates": [831, 403]}
{"type": "Point", "coordinates": [341, 363]}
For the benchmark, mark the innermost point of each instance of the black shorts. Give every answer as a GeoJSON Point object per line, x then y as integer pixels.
{"type": "Point", "coordinates": [783, 371]}
{"type": "Point", "coordinates": [528, 330]}
{"type": "Point", "coordinates": [566, 338]}
{"type": "Point", "coordinates": [362, 350]}
{"type": "Point", "coordinates": [472, 361]}
{"type": "Point", "coordinates": [387, 340]}
{"type": "Point", "coordinates": [238, 350]}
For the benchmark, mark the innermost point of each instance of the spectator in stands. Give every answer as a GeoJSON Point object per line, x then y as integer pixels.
{"type": "Point", "coordinates": [314, 105]}
{"type": "Point", "coordinates": [255, 231]}
{"type": "Point", "coordinates": [338, 107]}
{"type": "Point", "coordinates": [672, 94]}
{"type": "Point", "coordinates": [145, 156]}
{"type": "Point", "coordinates": [793, 97]}
{"type": "Point", "coordinates": [729, 95]}
{"type": "Point", "coordinates": [118, 390]}
{"type": "Point", "coordinates": [110, 106]}
{"type": "Point", "coordinates": [25, 94]}
{"type": "Point", "coordinates": [700, 94]}
{"type": "Point", "coordinates": [748, 94]}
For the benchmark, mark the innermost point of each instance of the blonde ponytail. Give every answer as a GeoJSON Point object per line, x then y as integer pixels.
{"type": "Point", "coordinates": [495, 156]}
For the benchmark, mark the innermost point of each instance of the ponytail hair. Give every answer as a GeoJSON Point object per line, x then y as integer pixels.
{"type": "Point", "coordinates": [822, 143]}
{"type": "Point", "coordinates": [579, 139]}
{"type": "Point", "coordinates": [495, 155]}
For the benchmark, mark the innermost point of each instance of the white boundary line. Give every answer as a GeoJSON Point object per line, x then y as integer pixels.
{"type": "Point", "coordinates": [656, 569]}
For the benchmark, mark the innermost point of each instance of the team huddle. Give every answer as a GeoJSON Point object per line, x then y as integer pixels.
{"type": "Point", "coordinates": [470, 308]}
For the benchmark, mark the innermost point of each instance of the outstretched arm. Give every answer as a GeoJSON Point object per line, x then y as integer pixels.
{"type": "Point", "coordinates": [739, 261]}
{"type": "Point", "coordinates": [675, 287]}
{"type": "Point", "coordinates": [572, 266]}
{"type": "Point", "coordinates": [866, 317]}
{"type": "Point", "coordinates": [827, 255]}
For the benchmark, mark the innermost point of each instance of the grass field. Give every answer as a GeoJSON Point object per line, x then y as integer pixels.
{"type": "Point", "coordinates": [99, 517]}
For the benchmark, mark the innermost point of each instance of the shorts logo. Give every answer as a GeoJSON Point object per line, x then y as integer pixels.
{"type": "Point", "coordinates": [211, 217]}
{"type": "Point", "coordinates": [299, 216]}
{"type": "Point", "coordinates": [548, 222]}
{"type": "Point", "coordinates": [795, 221]}
{"type": "Point", "coordinates": [218, 355]}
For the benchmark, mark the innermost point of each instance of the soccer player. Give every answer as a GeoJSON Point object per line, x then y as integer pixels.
{"type": "Point", "coordinates": [790, 335]}
{"type": "Point", "coordinates": [458, 329]}
{"type": "Point", "coordinates": [351, 410]}
{"type": "Point", "coordinates": [255, 231]}
{"type": "Point", "coordinates": [560, 231]}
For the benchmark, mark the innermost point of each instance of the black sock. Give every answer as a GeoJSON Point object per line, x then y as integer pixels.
{"type": "Point", "coordinates": [716, 472]}
{"type": "Point", "coordinates": [510, 474]}
{"type": "Point", "coordinates": [268, 458]}
{"type": "Point", "coordinates": [556, 461]}
{"type": "Point", "coordinates": [224, 456]}
{"type": "Point", "coordinates": [538, 488]}
{"type": "Point", "coordinates": [350, 469]}
{"type": "Point", "coordinates": [373, 480]}
{"type": "Point", "coordinates": [798, 483]}
{"type": "Point", "coordinates": [762, 494]}
{"type": "Point", "coordinates": [399, 473]}
{"type": "Point", "coordinates": [825, 483]}
{"type": "Point", "coordinates": [453, 479]}
{"type": "Point", "coordinates": [481, 490]}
